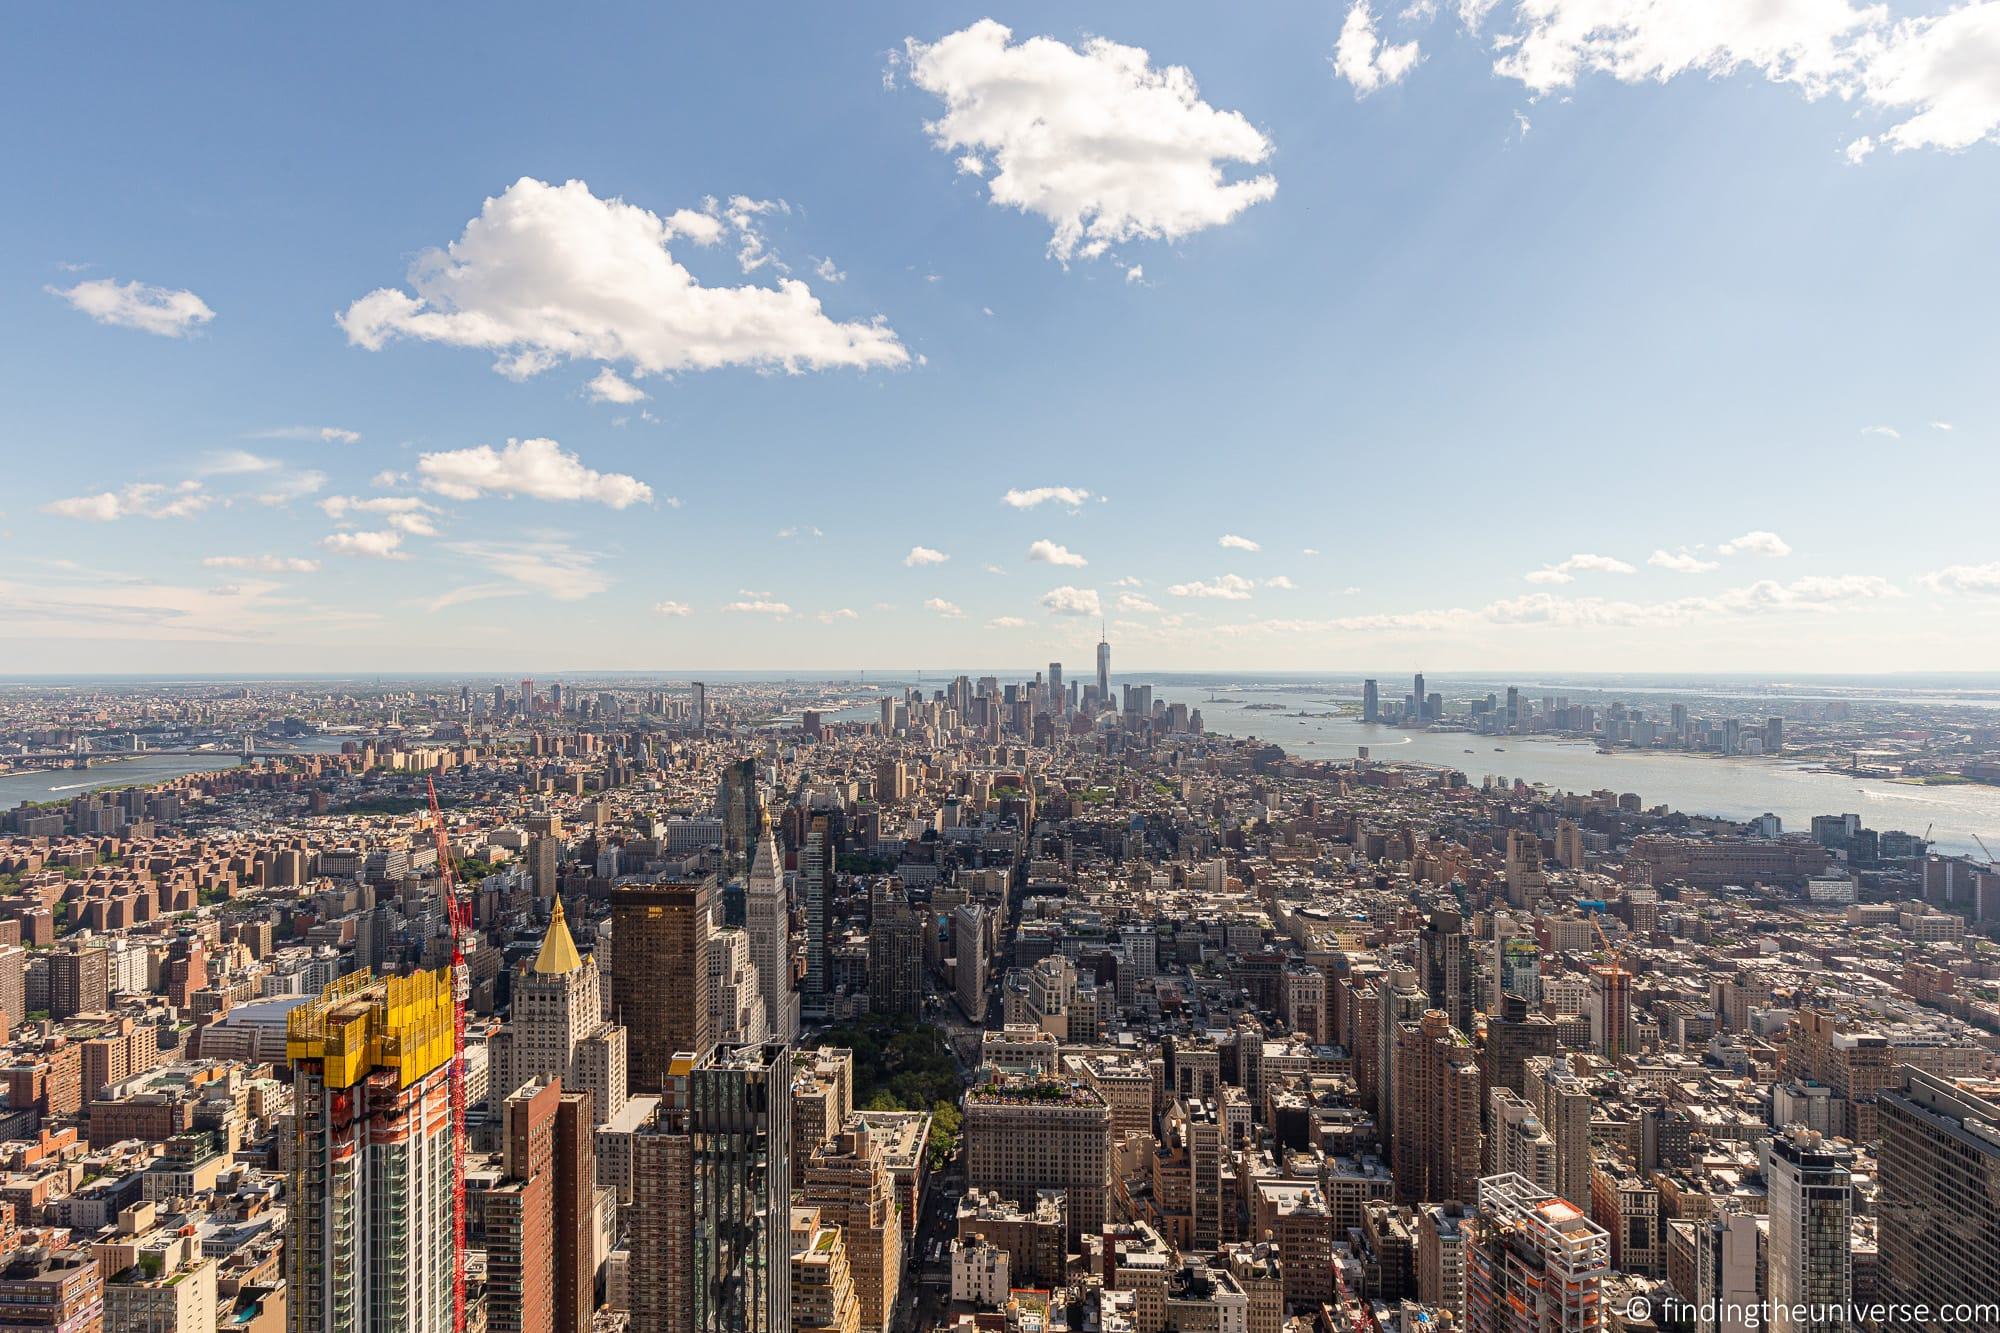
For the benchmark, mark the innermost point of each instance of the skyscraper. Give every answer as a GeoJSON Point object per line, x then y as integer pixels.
{"type": "Point", "coordinates": [1939, 1208]}
{"type": "Point", "coordinates": [741, 810]}
{"type": "Point", "coordinates": [698, 709]}
{"type": "Point", "coordinates": [816, 892]}
{"type": "Point", "coordinates": [660, 976]}
{"type": "Point", "coordinates": [1420, 696]}
{"type": "Point", "coordinates": [895, 952]}
{"type": "Point", "coordinates": [1810, 1265]}
{"type": "Point", "coordinates": [846, 1179]}
{"type": "Point", "coordinates": [768, 917]}
{"type": "Point", "coordinates": [540, 1255]}
{"type": "Point", "coordinates": [557, 1028]}
{"type": "Point", "coordinates": [1058, 702]}
{"type": "Point", "coordinates": [1103, 670]}
{"type": "Point", "coordinates": [1371, 701]}
{"type": "Point", "coordinates": [370, 1234]}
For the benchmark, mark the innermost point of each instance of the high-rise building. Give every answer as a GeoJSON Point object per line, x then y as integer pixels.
{"type": "Point", "coordinates": [742, 812]}
{"type": "Point", "coordinates": [557, 1029]}
{"type": "Point", "coordinates": [698, 709]}
{"type": "Point", "coordinates": [768, 917]}
{"type": "Point", "coordinates": [816, 892]}
{"type": "Point", "coordinates": [1437, 1113]}
{"type": "Point", "coordinates": [895, 952]}
{"type": "Point", "coordinates": [1030, 1134]}
{"type": "Point", "coordinates": [1446, 967]}
{"type": "Point", "coordinates": [711, 1193]}
{"type": "Point", "coordinates": [968, 936]}
{"type": "Point", "coordinates": [1417, 693]}
{"type": "Point", "coordinates": [1103, 670]}
{"type": "Point", "coordinates": [1611, 1009]}
{"type": "Point", "coordinates": [1371, 701]}
{"type": "Point", "coordinates": [369, 1243]}
{"type": "Point", "coordinates": [1058, 701]}
{"type": "Point", "coordinates": [1563, 1103]}
{"type": "Point", "coordinates": [1534, 1262]}
{"type": "Point", "coordinates": [1938, 1212]}
{"type": "Point", "coordinates": [660, 975]}
{"type": "Point", "coordinates": [1811, 1264]}
{"type": "Point", "coordinates": [847, 1180]}
{"type": "Point", "coordinates": [540, 1245]}
{"type": "Point", "coordinates": [79, 982]}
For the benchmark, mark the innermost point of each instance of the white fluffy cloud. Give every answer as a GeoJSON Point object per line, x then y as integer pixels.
{"type": "Point", "coordinates": [610, 387]}
{"type": "Point", "coordinates": [552, 273]}
{"type": "Point", "coordinates": [1068, 601]}
{"type": "Point", "coordinates": [265, 564]}
{"type": "Point", "coordinates": [1094, 140]}
{"type": "Point", "coordinates": [938, 605]}
{"type": "Point", "coordinates": [1976, 580]}
{"type": "Point", "coordinates": [1040, 495]}
{"type": "Point", "coordinates": [672, 609]}
{"type": "Point", "coordinates": [924, 555]}
{"type": "Point", "coordinates": [1233, 542]}
{"type": "Point", "coordinates": [759, 606]}
{"type": "Point", "coordinates": [1050, 553]}
{"type": "Point", "coordinates": [143, 499]}
{"type": "Point", "coordinates": [538, 469]}
{"type": "Point", "coordinates": [1682, 561]}
{"type": "Point", "coordinates": [1132, 601]}
{"type": "Point", "coordinates": [1225, 587]}
{"type": "Point", "coordinates": [1363, 59]}
{"type": "Point", "coordinates": [1940, 72]}
{"type": "Point", "coordinates": [1758, 542]}
{"type": "Point", "coordinates": [1006, 622]}
{"type": "Point", "coordinates": [1583, 562]}
{"type": "Point", "coordinates": [381, 544]}
{"type": "Point", "coordinates": [134, 305]}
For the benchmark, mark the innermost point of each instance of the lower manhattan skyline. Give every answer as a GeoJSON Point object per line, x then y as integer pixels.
{"type": "Point", "coordinates": [1565, 339]}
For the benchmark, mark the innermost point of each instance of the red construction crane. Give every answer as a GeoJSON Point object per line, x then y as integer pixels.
{"type": "Point", "coordinates": [458, 909]}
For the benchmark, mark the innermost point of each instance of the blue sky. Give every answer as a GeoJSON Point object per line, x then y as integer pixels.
{"type": "Point", "coordinates": [1485, 317]}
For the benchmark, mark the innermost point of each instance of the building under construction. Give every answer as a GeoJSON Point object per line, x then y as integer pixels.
{"type": "Point", "coordinates": [1534, 1262]}
{"type": "Point", "coordinates": [371, 1241]}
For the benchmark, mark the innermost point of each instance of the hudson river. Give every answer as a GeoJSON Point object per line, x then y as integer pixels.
{"type": "Point", "coordinates": [1694, 784]}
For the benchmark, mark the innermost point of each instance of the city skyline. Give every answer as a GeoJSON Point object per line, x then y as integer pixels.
{"type": "Point", "coordinates": [1637, 342]}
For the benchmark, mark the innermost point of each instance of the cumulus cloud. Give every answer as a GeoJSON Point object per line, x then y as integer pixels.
{"type": "Point", "coordinates": [924, 555]}
{"type": "Point", "coordinates": [672, 609]}
{"type": "Point", "coordinates": [1235, 543]}
{"type": "Point", "coordinates": [1041, 495]}
{"type": "Point", "coordinates": [798, 533]}
{"type": "Point", "coordinates": [610, 387]}
{"type": "Point", "coordinates": [1366, 61]}
{"type": "Point", "coordinates": [1758, 542]}
{"type": "Point", "coordinates": [1940, 73]}
{"type": "Point", "coordinates": [235, 463]}
{"type": "Point", "coordinates": [338, 506]}
{"type": "Point", "coordinates": [381, 544]}
{"type": "Point", "coordinates": [265, 564]}
{"type": "Point", "coordinates": [1280, 582]}
{"type": "Point", "coordinates": [1049, 553]}
{"type": "Point", "coordinates": [1225, 587]}
{"type": "Point", "coordinates": [552, 273]}
{"type": "Point", "coordinates": [143, 499]}
{"type": "Point", "coordinates": [1093, 140]}
{"type": "Point", "coordinates": [538, 469]}
{"type": "Point", "coordinates": [1583, 562]}
{"type": "Point", "coordinates": [169, 312]}
{"type": "Point", "coordinates": [1131, 601]}
{"type": "Point", "coordinates": [1682, 561]}
{"type": "Point", "coordinates": [759, 606]}
{"type": "Point", "coordinates": [1068, 601]}
{"type": "Point", "coordinates": [1974, 580]}
{"type": "Point", "coordinates": [949, 610]}
{"type": "Point", "coordinates": [1006, 622]}
{"type": "Point", "coordinates": [838, 613]}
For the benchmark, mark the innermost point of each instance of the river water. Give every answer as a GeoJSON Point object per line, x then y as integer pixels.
{"type": "Point", "coordinates": [60, 784]}
{"type": "Point", "coordinates": [1738, 788]}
